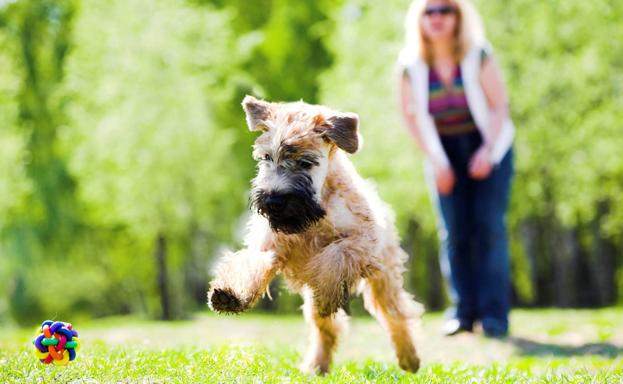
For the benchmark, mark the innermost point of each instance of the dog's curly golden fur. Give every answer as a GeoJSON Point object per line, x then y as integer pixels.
{"type": "Point", "coordinates": [321, 226]}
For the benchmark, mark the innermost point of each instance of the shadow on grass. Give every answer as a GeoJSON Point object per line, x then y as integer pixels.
{"type": "Point", "coordinates": [529, 347]}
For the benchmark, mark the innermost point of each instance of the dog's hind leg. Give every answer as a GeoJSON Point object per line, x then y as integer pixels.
{"type": "Point", "coordinates": [325, 332]}
{"type": "Point", "coordinates": [241, 278]}
{"type": "Point", "coordinates": [395, 309]}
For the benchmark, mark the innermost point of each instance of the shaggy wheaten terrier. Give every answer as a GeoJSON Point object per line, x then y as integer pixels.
{"type": "Point", "coordinates": [320, 225]}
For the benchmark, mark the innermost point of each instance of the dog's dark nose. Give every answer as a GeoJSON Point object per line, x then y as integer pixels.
{"type": "Point", "coordinates": [275, 202]}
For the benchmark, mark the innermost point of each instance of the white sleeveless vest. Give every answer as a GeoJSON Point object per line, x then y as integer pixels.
{"type": "Point", "coordinates": [476, 100]}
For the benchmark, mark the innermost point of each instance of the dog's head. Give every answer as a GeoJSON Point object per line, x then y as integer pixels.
{"type": "Point", "coordinates": [293, 153]}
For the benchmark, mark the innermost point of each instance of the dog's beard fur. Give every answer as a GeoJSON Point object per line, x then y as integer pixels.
{"type": "Point", "coordinates": [301, 211]}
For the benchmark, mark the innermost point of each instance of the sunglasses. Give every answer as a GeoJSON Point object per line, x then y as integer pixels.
{"type": "Point", "coordinates": [443, 10]}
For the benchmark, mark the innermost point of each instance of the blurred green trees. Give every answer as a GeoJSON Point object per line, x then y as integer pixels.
{"type": "Point", "coordinates": [147, 147]}
{"type": "Point", "coordinates": [45, 218]}
{"type": "Point", "coordinates": [125, 160]}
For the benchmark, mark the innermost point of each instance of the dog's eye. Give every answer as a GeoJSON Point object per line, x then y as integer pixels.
{"type": "Point", "coordinates": [305, 164]}
{"type": "Point", "coordinates": [267, 157]}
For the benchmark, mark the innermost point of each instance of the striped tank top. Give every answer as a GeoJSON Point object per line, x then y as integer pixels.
{"type": "Point", "coordinates": [448, 104]}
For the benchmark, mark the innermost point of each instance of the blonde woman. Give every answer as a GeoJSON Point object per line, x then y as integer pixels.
{"type": "Point", "coordinates": [455, 106]}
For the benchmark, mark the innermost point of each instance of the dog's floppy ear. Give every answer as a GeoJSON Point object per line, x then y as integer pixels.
{"type": "Point", "coordinates": [257, 112]}
{"type": "Point", "coordinates": [342, 129]}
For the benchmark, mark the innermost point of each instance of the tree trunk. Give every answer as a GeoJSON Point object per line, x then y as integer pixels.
{"type": "Point", "coordinates": [528, 230]}
{"type": "Point", "coordinates": [436, 296]}
{"type": "Point", "coordinates": [564, 256]}
{"type": "Point", "coordinates": [163, 278]}
{"type": "Point", "coordinates": [423, 276]}
{"type": "Point", "coordinates": [602, 265]}
{"type": "Point", "coordinates": [195, 269]}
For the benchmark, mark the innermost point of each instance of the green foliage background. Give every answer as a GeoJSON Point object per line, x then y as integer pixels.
{"type": "Point", "coordinates": [120, 125]}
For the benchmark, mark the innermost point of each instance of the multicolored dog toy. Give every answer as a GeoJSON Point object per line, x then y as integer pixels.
{"type": "Point", "coordinates": [57, 343]}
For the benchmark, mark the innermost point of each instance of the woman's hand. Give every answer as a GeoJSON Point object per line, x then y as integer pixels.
{"type": "Point", "coordinates": [444, 178]}
{"type": "Point", "coordinates": [480, 165]}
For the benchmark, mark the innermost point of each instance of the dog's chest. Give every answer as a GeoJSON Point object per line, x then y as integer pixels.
{"type": "Point", "coordinates": [340, 215]}
{"type": "Point", "coordinates": [295, 251]}
{"type": "Point", "coordinates": [304, 245]}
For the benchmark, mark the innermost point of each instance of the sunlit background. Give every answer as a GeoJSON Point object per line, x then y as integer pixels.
{"type": "Point", "coordinates": [125, 160]}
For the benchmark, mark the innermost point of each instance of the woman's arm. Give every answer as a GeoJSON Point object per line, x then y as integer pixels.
{"type": "Point", "coordinates": [408, 111]}
{"type": "Point", "coordinates": [444, 176]}
{"type": "Point", "coordinates": [492, 84]}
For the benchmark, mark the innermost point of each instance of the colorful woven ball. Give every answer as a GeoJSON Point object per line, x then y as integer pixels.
{"type": "Point", "coordinates": [56, 342]}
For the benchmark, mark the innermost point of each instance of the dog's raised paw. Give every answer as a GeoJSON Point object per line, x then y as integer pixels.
{"type": "Point", "coordinates": [224, 301]}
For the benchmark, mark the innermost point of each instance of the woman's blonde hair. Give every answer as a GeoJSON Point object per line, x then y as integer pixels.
{"type": "Point", "coordinates": [469, 29]}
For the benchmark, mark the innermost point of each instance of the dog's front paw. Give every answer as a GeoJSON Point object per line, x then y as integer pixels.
{"type": "Point", "coordinates": [223, 300]}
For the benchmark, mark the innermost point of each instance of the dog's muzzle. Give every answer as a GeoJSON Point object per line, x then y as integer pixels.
{"type": "Point", "coordinates": [275, 203]}
{"type": "Point", "coordinates": [288, 212]}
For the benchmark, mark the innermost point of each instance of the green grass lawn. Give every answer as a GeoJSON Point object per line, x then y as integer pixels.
{"type": "Point", "coordinates": [546, 346]}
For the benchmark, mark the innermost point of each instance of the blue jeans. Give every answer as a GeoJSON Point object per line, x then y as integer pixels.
{"type": "Point", "coordinates": [474, 244]}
